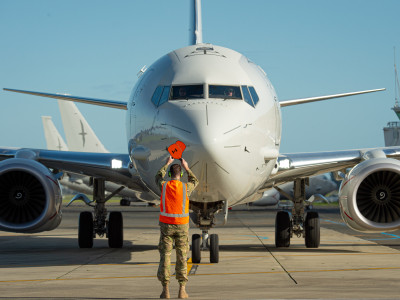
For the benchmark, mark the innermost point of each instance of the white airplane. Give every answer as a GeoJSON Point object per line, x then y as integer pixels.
{"type": "Point", "coordinates": [79, 134]}
{"type": "Point", "coordinates": [80, 137]}
{"type": "Point", "coordinates": [54, 140]}
{"type": "Point", "coordinates": [230, 121]}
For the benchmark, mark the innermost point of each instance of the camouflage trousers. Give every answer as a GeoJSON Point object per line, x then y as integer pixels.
{"type": "Point", "coordinates": [170, 233]}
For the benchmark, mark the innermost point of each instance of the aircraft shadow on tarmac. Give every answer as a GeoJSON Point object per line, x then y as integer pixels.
{"type": "Point", "coordinates": [36, 251]}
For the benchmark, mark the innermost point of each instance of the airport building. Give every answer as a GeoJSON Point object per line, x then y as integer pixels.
{"type": "Point", "coordinates": [392, 130]}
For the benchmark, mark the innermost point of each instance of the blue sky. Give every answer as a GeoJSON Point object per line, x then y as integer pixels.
{"type": "Point", "coordinates": [307, 48]}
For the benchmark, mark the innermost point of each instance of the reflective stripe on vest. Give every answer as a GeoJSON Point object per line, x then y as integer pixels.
{"type": "Point", "coordinates": [183, 214]}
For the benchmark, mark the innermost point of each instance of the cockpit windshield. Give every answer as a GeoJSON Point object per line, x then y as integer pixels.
{"type": "Point", "coordinates": [186, 92]}
{"type": "Point", "coordinates": [225, 92]}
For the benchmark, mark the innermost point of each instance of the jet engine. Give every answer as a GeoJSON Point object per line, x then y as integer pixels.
{"type": "Point", "coordinates": [369, 196]}
{"type": "Point", "coordinates": [30, 197]}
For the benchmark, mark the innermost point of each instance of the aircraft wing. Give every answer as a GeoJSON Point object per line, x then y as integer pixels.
{"type": "Point", "coordinates": [300, 165]}
{"type": "Point", "coordinates": [100, 102]}
{"type": "Point", "coordinates": [112, 167]}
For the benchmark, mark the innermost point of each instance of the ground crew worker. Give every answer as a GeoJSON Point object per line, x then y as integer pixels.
{"type": "Point", "coordinates": [174, 223]}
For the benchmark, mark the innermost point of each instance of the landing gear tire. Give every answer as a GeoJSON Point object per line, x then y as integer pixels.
{"type": "Point", "coordinates": [115, 230]}
{"type": "Point", "coordinates": [282, 229]}
{"type": "Point", "coordinates": [196, 253]}
{"type": "Point", "coordinates": [214, 248]}
{"type": "Point", "coordinates": [312, 230]}
{"type": "Point", "coordinates": [85, 230]}
{"type": "Point", "coordinates": [124, 202]}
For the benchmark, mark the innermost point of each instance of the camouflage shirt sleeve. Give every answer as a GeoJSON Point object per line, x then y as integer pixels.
{"type": "Point", "coordinates": [160, 176]}
{"type": "Point", "coordinates": [192, 182]}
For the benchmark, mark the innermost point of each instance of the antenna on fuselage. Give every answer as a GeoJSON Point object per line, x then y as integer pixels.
{"type": "Point", "coordinates": [195, 27]}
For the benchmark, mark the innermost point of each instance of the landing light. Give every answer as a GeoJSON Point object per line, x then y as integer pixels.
{"type": "Point", "coordinates": [116, 164]}
{"type": "Point", "coordinates": [284, 164]}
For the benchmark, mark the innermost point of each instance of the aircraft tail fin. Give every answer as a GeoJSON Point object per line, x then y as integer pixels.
{"type": "Point", "coordinates": [80, 136]}
{"type": "Point", "coordinates": [195, 27]}
{"type": "Point", "coordinates": [54, 140]}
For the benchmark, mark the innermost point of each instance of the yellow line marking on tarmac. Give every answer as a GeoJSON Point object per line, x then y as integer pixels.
{"type": "Point", "coordinates": [209, 274]}
{"type": "Point", "coordinates": [335, 254]}
{"type": "Point", "coordinates": [307, 255]}
{"type": "Point", "coordinates": [189, 265]}
{"type": "Point", "coordinates": [127, 264]}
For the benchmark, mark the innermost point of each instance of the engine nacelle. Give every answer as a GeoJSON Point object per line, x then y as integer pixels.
{"type": "Point", "coordinates": [30, 197]}
{"type": "Point", "coordinates": [369, 196]}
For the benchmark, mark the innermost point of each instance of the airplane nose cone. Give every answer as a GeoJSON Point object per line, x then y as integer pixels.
{"type": "Point", "coordinates": [212, 134]}
{"type": "Point", "coordinates": [209, 128]}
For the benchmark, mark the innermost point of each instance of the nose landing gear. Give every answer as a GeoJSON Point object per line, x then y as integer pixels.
{"type": "Point", "coordinates": [204, 218]}
{"type": "Point", "coordinates": [205, 242]}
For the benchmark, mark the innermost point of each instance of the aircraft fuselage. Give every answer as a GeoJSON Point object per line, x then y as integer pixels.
{"type": "Point", "coordinates": [232, 140]}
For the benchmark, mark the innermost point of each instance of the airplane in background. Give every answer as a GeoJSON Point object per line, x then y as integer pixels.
{"type": "Point", "coordinates": [81, 136]}
{"type": "Point", "coordinates": [230, 120]}
{"type": "Point", "coordinates": [318, 186]}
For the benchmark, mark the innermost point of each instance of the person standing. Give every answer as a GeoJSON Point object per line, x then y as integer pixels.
{"type": "Point", "coordinates": [174, 223]}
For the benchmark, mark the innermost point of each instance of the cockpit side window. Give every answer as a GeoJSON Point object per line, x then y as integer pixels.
{"type": "Point", "coordinates": [224, 92]}
{"type": "Point", "coordinates": [160, 95]}
{"type": "Point", "coordinates": [250, 95]}
{"type": "Point", "coordinates": [246, 94]}
{"type": "Point", "coordinates": [165, 95]}
{"type": "Point", "coordinates": [254, 95]}
{"type": "Point", "coordinates": [157, 94]}
{"type": "Point", "coordinates": [186, 92]}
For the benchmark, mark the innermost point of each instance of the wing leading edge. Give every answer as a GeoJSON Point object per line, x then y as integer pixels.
{"type": "Point", "coordinates": [100, 102]}
{"type": "Point", "coordinates": [110, 166]}
{"type": "Point", "coordinates": [320, 98]}
{"type": "Point", "coordinates": [300, 165]}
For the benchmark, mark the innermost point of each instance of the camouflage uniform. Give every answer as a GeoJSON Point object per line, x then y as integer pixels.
{"type": "Point", "coordinates": [170, 233]}
{"type": "Point", "coordinates": [180, 235]}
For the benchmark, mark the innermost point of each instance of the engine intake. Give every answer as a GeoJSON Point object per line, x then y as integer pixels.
{"type": "Point", "coordinates": [370, 195]}
{"type": "Point", "coordinates": [378, 197]}
{"type": "Point", "coordinates": [30, 196]}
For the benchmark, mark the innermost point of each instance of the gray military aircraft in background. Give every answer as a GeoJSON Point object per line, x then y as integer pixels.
{"type": "Point", "coordinates": [318, 186]}
{"type": "Point", "coordinates": [81, 137]}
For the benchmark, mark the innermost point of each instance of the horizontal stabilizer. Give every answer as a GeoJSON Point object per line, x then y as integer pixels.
{"type": "Point", "coordinates": [100, 102]}
{"type": "Point", "coordinates": [320, 98]}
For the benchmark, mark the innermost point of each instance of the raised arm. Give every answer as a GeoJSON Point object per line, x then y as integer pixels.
{"type": "Point", "coordinates": [192, 180]}
{"type": "Point", "coordinates": [161, 173]}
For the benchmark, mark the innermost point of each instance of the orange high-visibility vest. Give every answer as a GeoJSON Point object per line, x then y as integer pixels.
{"type": "Point", "coordinates": [174, 203]}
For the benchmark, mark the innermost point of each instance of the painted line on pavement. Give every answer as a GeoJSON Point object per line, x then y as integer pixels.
{"type": "Point", "coordinates": [209, 274]}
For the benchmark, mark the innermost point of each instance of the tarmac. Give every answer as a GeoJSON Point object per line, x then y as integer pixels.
{"type": "Point", "coordinates": [347, 265]}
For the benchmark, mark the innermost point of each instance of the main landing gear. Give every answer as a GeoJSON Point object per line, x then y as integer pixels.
{"type": "Point", "coordinates": [205, 219]}
{"type": "Point", "coordinates": [94, 224]}
{"type": "Point", "coordinates": [287, 225]}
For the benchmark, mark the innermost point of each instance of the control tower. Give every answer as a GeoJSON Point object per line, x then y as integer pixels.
{"type": "Point", "coordinates": [392, 131]}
